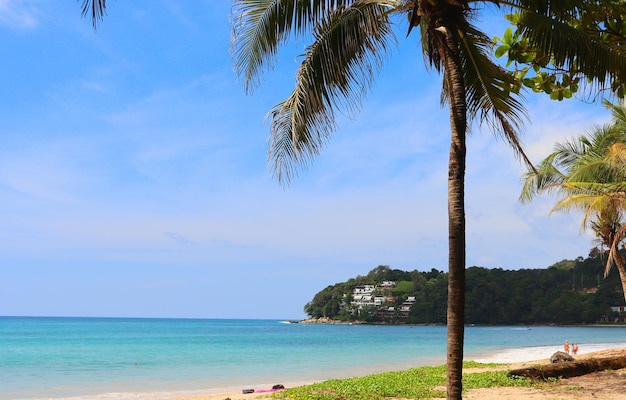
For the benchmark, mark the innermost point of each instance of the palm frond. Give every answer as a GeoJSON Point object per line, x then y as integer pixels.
{"type": "Point", "coordinates": [573, 49]}
{"type": "Point", "coordinates": [602, 158]}
{"type": "Point", "coordinates": [618, 114]}
{"type": "Point", "coordinates": [95, 9]}
{"type": "Point", "coordinates": [350, 46]}
{"type": "Point", "coordinates": [260, 27]}
{"type": "Point", "coordinates": [558, 9]}
{"type": "Point", "coordinates": [570, 151]}
{"type": "Point", "coordinates": [545, 177]}
{"type": "Point", "coordinates": [613, 191]}
{"type": "Point", "coordinates": [617, 155]}
{"type": "Point", "coordinates": [590, 204]}
{"type": "Point", "coordinates": [597, 171]}
{"type": "Point", "coordinates": [489, 90]}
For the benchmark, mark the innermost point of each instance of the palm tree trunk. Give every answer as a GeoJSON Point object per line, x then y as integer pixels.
{"type": "Point", "coordinates": [456, 216]}
{"type": "Point", "coordinates": [619, 263]}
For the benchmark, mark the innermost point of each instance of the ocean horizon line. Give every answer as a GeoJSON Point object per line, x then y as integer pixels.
{"type": "Point", "coordinates": [291, 320]}
{"type": "Point", "coordinates": [151, 318]}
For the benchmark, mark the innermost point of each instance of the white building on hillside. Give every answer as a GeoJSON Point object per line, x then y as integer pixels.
{"type": "Point", "coordinates": [363, 295]}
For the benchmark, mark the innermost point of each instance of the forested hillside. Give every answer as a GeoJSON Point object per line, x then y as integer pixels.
{"type": "Point", "coordinates": [568, 292]}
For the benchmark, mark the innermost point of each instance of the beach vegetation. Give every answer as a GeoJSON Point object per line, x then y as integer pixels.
{"type": "Point", "coordinates": [415, 383]}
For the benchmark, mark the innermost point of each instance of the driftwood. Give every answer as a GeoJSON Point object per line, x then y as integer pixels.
{"type": "Point", "coordinates": [571, 368]}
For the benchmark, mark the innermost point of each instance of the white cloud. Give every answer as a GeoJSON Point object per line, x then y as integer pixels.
{"type": "Point", "coordinates": [18, 14]}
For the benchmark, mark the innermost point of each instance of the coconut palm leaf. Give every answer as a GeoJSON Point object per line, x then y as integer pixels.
{"type": "Point", "coordinates": [260, 27]}
{"type": "Point", "coordinates": [95, 9]}
{"type": "Point", "coordinates": [488, 91]}
{"type": "Point", "coordinates": [546, 177]}
{"type": "Point", "coordinates": [572, 49]}
{"type": "Point", "coordinates": [349, 47]}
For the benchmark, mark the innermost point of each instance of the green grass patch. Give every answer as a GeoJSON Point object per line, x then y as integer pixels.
{"type": "Point", "coordinates": [415, 383]}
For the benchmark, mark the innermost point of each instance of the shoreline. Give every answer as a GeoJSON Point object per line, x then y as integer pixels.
{"type": "Point", "coordinates": [510, 359]}
{"type": "Point", "coordinates": [330, 321]}
{"type": "Point", "coordinates": [527, 354]}
{"type": "Point", "coordinates": [499, 393]}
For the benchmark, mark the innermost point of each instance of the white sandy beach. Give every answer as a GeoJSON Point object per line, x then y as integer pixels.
{"type": "Point", "coordinates": [508, 356]}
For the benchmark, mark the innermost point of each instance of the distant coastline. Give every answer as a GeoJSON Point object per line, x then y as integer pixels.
{"type": "Point", "coordinates": [330, 321]}
{"type": "Point", "coordinates": [326, 320]}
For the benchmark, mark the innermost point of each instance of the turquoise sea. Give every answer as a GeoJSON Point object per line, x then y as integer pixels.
{"type": "Point", "coordinates": [101, 358]}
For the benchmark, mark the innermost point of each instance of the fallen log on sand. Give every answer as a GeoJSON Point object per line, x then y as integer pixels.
{"type": "Point", "coordinates": [570, 368]}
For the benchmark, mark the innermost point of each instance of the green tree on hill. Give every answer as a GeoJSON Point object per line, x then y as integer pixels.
{"type": "Point", "coordinates": [554, 295]}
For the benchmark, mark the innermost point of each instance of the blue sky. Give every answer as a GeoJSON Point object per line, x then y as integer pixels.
{"type": "Point", "coordinates": [133, 176]}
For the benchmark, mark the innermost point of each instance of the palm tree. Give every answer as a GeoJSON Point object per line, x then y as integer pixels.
{"type": "Point", "coordinates": [589, 174]}
{"type": "Point", "coordinates": [350, 39]}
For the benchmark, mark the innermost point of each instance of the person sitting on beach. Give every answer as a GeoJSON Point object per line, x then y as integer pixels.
{"type": "Point", "coordinates": [566, 347]}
